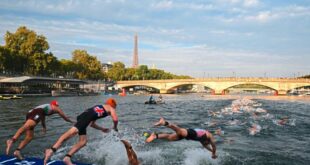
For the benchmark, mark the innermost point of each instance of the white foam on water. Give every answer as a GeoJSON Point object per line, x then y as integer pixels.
{"type": "Point", "coordinates": [107, 149]}
{"type": "Point", "coordinates": [199, 156]}
{"type": "Point", "coordinates": [153, 156]}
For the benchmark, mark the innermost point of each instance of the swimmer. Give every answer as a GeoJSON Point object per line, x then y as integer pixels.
{"type": "Point", "coordinates": [88, 117]}
{"type": "Point", "coordinates": [261, 110]}
{"type": "Point", "coordinates": [283, 120]}
{"type": "Point", "coordinates": [33, 117]}
{"type": "Point", "coordinates": [132, 156]}
{"type": "Point", "coordinates": [233, 121]}
{"type": "Point", "coordinates": [254, 129]}
{"type": "Point", "coordinates": [219, 132]}
{"type": "Point", "coordinates": [201, 135]}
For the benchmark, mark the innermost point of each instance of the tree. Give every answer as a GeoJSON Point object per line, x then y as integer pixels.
{"type": "Point", "coordinates": [26, 44]}
{"type": "Point", "coordinates": [306, 76]}
{"type": "Point", "coordinates": [117, 71]}
{"type": "Point", "coordinates": [68, 68]}
{"type": "Point", "coordinates": [44, 64]}
{"type": "Point", "coordinates": [130, 74]}
{"type": "Point", "coordinates": [3, 57]}
{"type": "Point", "coordinates": [90, 67]}
{"type": "Point", "coordinates": [142, 72]}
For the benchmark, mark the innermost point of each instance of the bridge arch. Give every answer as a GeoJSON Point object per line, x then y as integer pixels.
{"type": "Point", "coordinates": [257, 86]}
{"type": "Point", "coordinates": [281, 85]}
{"type": "Point", "coordinates": [298, 89]}
{"type": "Point", "coordinates": [135, 85]}
{"type": "Point", "coordinates": [299, 86]}
{"type": "Point", "coordinates": [175, 85]}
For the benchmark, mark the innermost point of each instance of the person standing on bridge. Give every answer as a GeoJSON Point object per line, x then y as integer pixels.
{"type": "Point", "coordinates": [201, 135]}
{"type": "Point", "coordinates": [89, 116]}
{"type": "Point", "coordinates": [33, 117]}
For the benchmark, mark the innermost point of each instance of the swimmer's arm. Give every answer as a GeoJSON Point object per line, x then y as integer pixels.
{"type": "Point", "coordinates": [62, 114]}
{"type": "Point", "coordinates": [206, 146]}
{"type": "Point", "coordinates": [132, 157]}
{"type": "Point", "coordinates": [94, 125]}
{"type": "Point", "coordinates": [212, 142]}
{"type": "Point", "coordinates": [114, 118]}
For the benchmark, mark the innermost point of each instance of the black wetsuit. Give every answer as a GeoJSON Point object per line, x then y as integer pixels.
{"type": "Point", "coordinates": [196, 134]}
{"type": "Point", "coordinates": [89, 115]}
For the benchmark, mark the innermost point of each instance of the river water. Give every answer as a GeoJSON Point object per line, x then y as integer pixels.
{"type": "Point", "coordinates": [271, 143]}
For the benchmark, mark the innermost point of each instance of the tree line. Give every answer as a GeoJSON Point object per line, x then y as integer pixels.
{"type": "Point", "coordinates": [26, 53]}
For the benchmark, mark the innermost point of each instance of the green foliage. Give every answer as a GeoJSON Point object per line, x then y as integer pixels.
{"type": "Point", "coordinates": [306, 76]}
{"type": "Point", "coordinates": [68, 68]}
{"type": "Point", "coordinates": [119, 72]}
{"type": "Point", "coordinates": [3, 58]}
{"type": "Point", "coordinates": [25, 53]}
{"type": "Point", "coordinates": [26, 48]}
{"type": "Point", "coordinates": [88, 66]}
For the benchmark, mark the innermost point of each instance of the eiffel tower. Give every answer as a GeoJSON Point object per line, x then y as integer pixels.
{"type": "Point", "coordinates": [135, 63]}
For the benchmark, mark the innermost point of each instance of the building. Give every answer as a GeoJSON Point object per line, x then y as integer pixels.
{"type": "Point", "coordinates": [38, 85]}
{"type": "Point", "coordinates": [106, 66]}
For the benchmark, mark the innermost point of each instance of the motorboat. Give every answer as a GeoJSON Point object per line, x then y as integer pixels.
{"type": "Point", "coordinates": [5, 98]}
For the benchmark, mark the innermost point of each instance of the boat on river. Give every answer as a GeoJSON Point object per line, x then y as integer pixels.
{"type": "Point", "coordinates": [155, 102]}
{"type": "Point", "coordinates": [5, 97]}
{"type": "Point", "coordinates": [9, 97]}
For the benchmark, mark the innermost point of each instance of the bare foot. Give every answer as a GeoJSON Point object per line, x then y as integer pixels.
{"type": "Point", "coordinates": [67, 161]}
{"type": "Point", "coordinates": [151, 138]}
{"type": "Point", "coordinates": [48, 154]}
{"type": "Point", "coordinates": [160, 122]}
{"type": "Point", "coordinates": [18, 155]}
{"type": "Point", "coordinates": [8, 146]}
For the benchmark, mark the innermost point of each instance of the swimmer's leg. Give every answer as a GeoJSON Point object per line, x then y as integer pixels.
{"type": "Point", "coordinates": [29, 124]}
{"type": "Point", "coordinates": [181, 132]}
{"type": "Point", "coordinates": [167, 136]}
{"type": "Point", "coordinates": [27, 140]}
{"type": "Point", "coordinates": [80, 144]}
{"type": "Point", "coordinates": [49, 152]}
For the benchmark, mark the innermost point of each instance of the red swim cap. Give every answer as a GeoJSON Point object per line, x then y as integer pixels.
{"type": "Point", "coordinates": [111, 102]}
{"type": "Point", "coordinates": [54, 102]}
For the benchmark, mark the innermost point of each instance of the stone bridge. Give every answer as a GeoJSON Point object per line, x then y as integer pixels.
{"type": "Point", "coordinates": [219, 85]}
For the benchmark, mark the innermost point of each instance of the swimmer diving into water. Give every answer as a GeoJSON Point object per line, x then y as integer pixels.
{"type": "Point", "coordinates": [88, 117]}
{"type": "Point", "coordinates": [33, 117]}
{"type": "Point", "coordinates": [201, 135]}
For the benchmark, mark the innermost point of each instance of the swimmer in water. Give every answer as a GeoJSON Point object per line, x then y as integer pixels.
{"type": "Point", "coordinates": [283, 121]}
{"type": "Point", "coordinates": [219, 132]}
{"type": "Point", "coordinates": [132, 156]}
{"type": "Point", "coordinates": [201, 135]}
{"type": "Point", "coordinates": [254, 129]}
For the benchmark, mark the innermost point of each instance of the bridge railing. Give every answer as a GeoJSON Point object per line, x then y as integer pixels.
{"type": "Point", "coordinates": [249, 79]}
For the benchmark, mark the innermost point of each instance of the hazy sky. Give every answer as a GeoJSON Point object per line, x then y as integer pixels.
{"type": "Point", "coordinates": [248, 38]}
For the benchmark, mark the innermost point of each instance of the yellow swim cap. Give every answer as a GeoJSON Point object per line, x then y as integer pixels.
{"type": "Point", "coordinates": [146, 134]}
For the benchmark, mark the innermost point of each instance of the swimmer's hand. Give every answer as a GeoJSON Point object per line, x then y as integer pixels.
{"type": "Point", "coordinates": [105, 130]}
{"type": "Point", "coordinates": [214, 156]}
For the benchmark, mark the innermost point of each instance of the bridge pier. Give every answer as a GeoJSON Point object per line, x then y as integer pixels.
{"type": "Point", "coordinates": [218, 92]}
{"type": "Point", "coordinates": [163, 91]}
{"type": "Point", "coordinates": [282, 92]}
